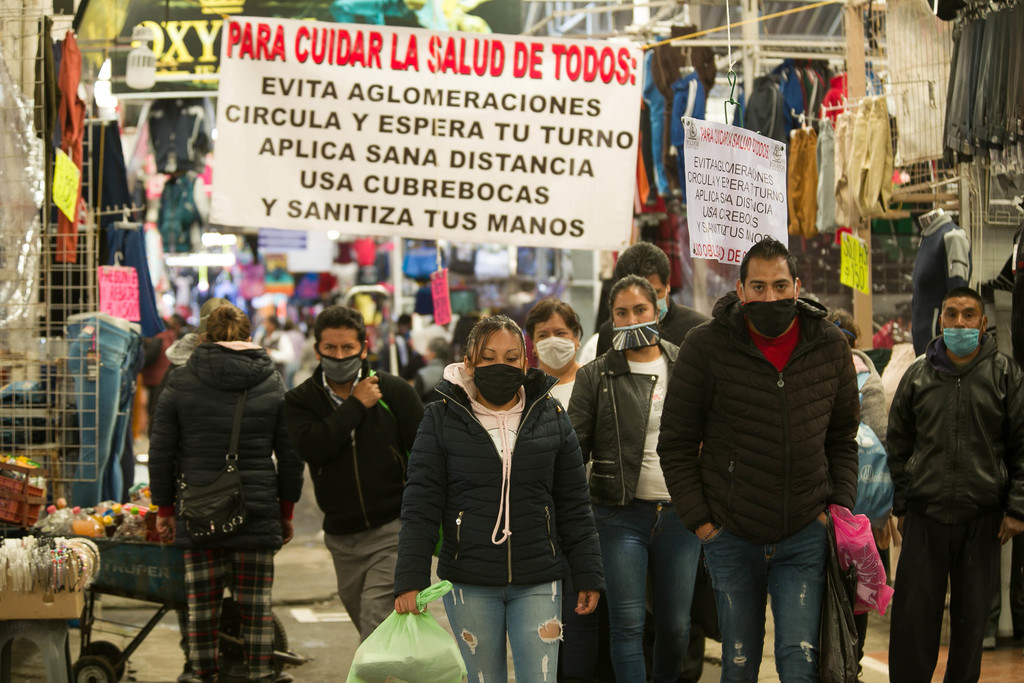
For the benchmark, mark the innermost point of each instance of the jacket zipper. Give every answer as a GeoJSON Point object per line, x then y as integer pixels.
{"type": "Point", "coordinates": [458, 534]}
{"type": "Point", "coordinates": [956, 434]}
{"type": "Point", "coordinates": [732, 483]}
{"type": "Point", "coordinates": [547, 518]}
{"type": "Point", "coordinates": [359, 485]}
{"type": "Point", "coordinates": [526, 415]}
{"type": "Point", "coordinates": [618, 441]}
{"type": "Point", "coordinates": [787, 457]}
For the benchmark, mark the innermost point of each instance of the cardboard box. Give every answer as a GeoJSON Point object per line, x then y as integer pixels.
{"type": "Point", "coordinates": [37, 605]}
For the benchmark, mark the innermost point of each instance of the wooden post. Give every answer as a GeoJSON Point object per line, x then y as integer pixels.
{"type": "Point", "coordinates": [856, 81]}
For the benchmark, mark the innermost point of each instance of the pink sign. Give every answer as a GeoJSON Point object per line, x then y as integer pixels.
{"type": "Point", "coordinates": [119, 292]}
{"type": "Point", "coordinates": [442, 299]}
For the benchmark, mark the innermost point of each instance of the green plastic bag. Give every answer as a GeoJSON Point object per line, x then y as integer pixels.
{"type": "Point", "coordinates": [410, 648]}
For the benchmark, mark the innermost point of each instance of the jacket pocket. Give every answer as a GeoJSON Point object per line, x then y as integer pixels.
{"type": "Point", "coordinates": [547, 520]}
{"type": "Point", "coordinates": [458, 534]}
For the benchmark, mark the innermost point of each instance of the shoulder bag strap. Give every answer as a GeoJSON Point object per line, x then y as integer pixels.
{"type": "Point", "coordinates": [236, 428]}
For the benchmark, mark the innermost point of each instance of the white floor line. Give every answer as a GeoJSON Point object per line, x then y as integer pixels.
{"type": "Point", "coordinates": [874, 665]}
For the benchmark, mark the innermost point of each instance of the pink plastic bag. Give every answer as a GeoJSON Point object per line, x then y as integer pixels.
{"type": "Point", "coordinates": [856, 545]}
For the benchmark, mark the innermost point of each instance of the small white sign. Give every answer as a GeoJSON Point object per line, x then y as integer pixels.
{"type": "Point", "coordinates": [735, 189]}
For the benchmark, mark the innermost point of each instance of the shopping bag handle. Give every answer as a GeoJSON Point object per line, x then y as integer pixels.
{"type": "Point", "coordinates": [431, 593]}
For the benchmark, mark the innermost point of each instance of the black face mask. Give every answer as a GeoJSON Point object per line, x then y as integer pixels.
{"type": "Point", "coordinates": [341, 370]}
{"type": "Point", "coordinates": [498, 383]}
{"type": "Point", "coordinates": [770, 318]}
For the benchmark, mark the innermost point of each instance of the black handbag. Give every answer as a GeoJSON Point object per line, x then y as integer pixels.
{"type": "Point", "coordinates": [211, 512]}
{"type": "Point", "coordinates": [837, 635]}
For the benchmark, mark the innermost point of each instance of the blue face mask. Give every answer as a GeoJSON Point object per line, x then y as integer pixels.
{"type": "Point", "coordinates": [662, 308]}
{"type": "Point", "coordinates": [961, 341]}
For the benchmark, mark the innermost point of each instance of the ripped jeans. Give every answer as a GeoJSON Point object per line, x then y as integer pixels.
{"type": "Point", "coordinates": [743, 574]}
{"type": "Point", "coordinates": [480, 617]}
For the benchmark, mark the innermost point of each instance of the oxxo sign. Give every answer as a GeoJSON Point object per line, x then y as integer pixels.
{"type": "Point", "coordinates": [171, 44]}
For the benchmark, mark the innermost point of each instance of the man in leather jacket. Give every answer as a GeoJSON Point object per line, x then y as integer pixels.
{"type": "Point", "coordinates": [956, 452]}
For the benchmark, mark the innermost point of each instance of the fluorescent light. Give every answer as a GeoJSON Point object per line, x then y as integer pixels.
{"type": "Point", "coordinates": [219, 239]}
{"type": "Point", "coordinates": [197, 260]}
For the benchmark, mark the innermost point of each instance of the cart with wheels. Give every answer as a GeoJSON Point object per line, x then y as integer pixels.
{"type": "Point", "coordinates": [154, 572]}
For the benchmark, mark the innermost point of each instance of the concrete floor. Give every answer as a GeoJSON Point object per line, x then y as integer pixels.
{"type": "Point", "coordinates": [305, 600]}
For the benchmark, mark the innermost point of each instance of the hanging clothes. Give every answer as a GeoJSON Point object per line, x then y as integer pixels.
{"type": "Point", "coordinates": [179, 216]}
{"type": "Point", "coordinates": [826, 157]}
{"type": "Point", "coordinates": [655, 102]}
{"type": "Point", "coordinates": [871, 162]}
{"type": "Point", "coordinates": [765, 113]}
{"type": "Point", "coordinates": [834, 102]}
{"type": "Point", "coordinates": [689, 99]}
{"type": "Point", "coordinates": [127, 247]}
{"type": "Point", "coordinates": [802, 182]}
{"type": "Point", "coordinates": [179, 132]}
{"type": "Point", "coordinates": [71, 114]}
{"type": "Point", "coordinates": [943, 262]}
{"type": "Point", "coordinates": [846, 208]}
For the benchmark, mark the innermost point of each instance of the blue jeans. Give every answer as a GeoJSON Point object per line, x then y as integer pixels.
{"type": "Point", "coordinates": [743, 574]}
{"type": "Point", "coordinates": [101, 358]}
{"type": "Point", "coordinates": [481, 616]}
{"type": "Point", "coordinates": [655, 102]}
{"type": "Point", "coordinates": [641, 539]}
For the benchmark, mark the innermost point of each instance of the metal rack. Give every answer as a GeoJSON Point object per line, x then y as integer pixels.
{"type": "Point", "coordinates": [38, 293]}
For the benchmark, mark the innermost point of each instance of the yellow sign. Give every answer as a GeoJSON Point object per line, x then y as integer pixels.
{"type": "Point", "coordinates": [66, 177]}
{"type": "Point", "coordinates": [854, 264]}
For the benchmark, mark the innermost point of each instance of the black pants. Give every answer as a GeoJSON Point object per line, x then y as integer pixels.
{"type": "Point", "coordinates": [965, 554]}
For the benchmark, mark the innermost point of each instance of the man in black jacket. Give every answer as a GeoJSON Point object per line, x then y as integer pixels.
{"type": "Point", "coordinates": [757, 437]}
{"type": "Point", "coordinates": [956, 452]}
{"type": "Point", "coordinates": [355, 429]}
{"type": "Point", "coordinates": [650, 262]}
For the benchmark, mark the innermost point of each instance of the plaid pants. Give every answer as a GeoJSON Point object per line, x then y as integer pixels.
{"type": "Point", "coordinates": [251, 574]}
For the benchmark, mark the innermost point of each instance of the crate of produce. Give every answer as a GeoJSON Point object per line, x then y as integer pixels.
{"type": "Point", "coordinates": [154, 572]}
{"type": "Point", "coordinates": [20, 499]}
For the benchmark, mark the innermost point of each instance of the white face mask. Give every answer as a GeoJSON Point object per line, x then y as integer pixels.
{"type": "Point", "coordinates": [556, 352]}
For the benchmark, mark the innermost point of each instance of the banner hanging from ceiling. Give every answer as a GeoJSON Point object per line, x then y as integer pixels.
{"type": "Point", "coordinates": [408, 132]}
{"type": "Point", "coordinates": [187, 33]}
{"type": "Point", "coordinates": [735, 189]}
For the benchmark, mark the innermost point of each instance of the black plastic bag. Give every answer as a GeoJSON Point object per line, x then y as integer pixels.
{"type": "Point", "coordinates": [837, 637]}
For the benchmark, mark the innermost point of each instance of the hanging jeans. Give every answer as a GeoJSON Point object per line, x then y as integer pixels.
{"type": "Point", "coordinates": [103, 360]}
{"type": "Point", "coordinates": [655, 102]}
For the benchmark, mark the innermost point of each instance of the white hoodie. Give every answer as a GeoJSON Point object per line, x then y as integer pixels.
{"type": "Point", "coordinates": [503, 427]}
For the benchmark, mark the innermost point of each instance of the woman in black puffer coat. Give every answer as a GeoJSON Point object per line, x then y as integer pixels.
{"type": "Point", "coordinates": [190, 437]}
{"type": "Point", "coordinates": [496, 464]}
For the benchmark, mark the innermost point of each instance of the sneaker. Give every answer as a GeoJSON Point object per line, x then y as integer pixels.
{"type": "Point", "coordinates": [989, 643]}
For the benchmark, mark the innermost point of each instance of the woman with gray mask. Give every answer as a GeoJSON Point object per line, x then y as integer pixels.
{"type": "Point", "coordinates": [616, 411]}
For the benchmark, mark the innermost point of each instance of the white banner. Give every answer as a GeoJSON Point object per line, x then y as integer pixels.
{"type": "Point", "coordinates": [393, 131]}
{"type": "Point", "coordinates": [735, 189]}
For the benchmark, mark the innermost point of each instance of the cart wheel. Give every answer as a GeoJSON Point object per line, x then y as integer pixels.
{"type": "Point", "coordinates": [110, 652]}
{"type": "Point", "coordinates": [232, 658]}
{"type": "Point", "coordinates": [93, 669]}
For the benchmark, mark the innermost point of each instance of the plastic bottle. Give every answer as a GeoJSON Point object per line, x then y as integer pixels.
{"type": "Point", "coordinates": [133, 525]}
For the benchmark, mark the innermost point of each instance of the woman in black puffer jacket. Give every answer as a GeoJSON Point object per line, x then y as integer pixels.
{"type": "Point", "coordinates": [496, 464]}
{"type": "Point", "coordinates": [190, 437]}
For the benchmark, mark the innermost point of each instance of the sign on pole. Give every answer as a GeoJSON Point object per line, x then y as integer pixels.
{"type": "Point", "coordinates": [735, 189]}
{"type": "Point", "coordinates": [853, 264]}
{"type": "Point", "coordinates": [426, 134]}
